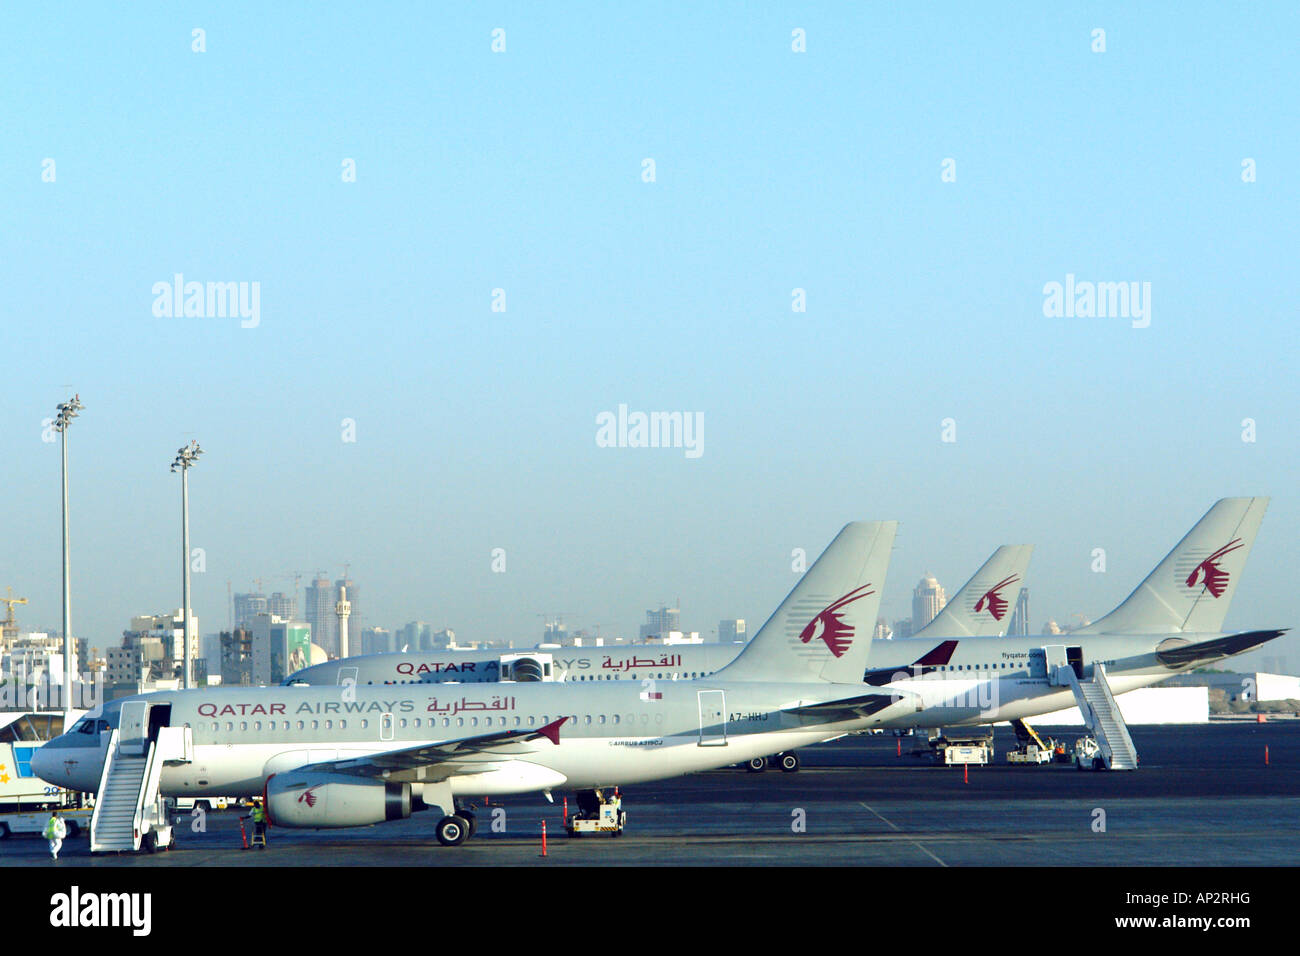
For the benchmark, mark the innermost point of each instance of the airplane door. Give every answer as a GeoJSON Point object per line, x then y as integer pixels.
{"type": "Point", "coordinates": [385, 726]}
{"type": "Point", "coordinates": [347, 676]}
{"type": "Point", "coordinates": [713, 718]}
{"type": "Point", "coordinates": [1074, 654]}
{"type": "Point", "coordinates": [1054, 657]}
{"type": "Point", "coordinates": [1038, 664]}
{"type": "Point", "coordinates": [133, 728]}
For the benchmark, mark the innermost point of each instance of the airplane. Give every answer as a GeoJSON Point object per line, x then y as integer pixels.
{"type": "Point", "coordinates": [977, 610]}
{"type": "Point", "coordinates": [330, 756]}
{"type": "Point", "coordinates": [1172, 622]}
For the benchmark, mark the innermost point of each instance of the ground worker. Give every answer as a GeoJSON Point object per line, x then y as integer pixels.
{"type": "Point", "coordinates": [55, 831]}
{"type": "Point", "coordinates": [258, 816]}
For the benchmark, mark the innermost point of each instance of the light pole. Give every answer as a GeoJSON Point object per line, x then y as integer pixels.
{"type": "Point", "coordinates": [186, 456]}
{"type": "Point", "coordinates": [64, 414]}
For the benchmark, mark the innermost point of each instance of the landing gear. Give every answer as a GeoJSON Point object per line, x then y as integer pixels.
{"type": "Point", "coordinates": [756, 764]}
{"type": "Point", "coordinates": [453, 830]}
{"type": "Point", "coordinates": [789, 762]}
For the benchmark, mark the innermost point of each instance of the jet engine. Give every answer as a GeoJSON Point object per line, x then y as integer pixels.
{"type": "Point", "coordinates": [527, 668]}
{"type": "Point", "coordinates": [333, 800]}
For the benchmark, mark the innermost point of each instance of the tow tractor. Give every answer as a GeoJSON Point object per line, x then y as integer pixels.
{"type": "Point", "coordinates": [1087, 755]}
{"type": "Point", "coordinates": [1030, 748]}
{"type": "Point", "coordinates": [598, 814]}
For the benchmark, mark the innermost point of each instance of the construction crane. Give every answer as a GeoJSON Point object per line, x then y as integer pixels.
{"type": "Point", "coordinates": [9, 626]}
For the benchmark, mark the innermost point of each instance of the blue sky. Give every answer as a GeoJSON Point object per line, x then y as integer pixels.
{"type": "Point", "coordinates": [522, 171]}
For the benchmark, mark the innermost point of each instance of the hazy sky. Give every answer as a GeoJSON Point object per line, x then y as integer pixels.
{"type": "Point", "coordinates": [523, 170]}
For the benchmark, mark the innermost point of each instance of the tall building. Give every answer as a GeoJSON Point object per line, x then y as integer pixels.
{"type": "Point", "coordinates": [732, 631]}
{"type": "Point", "coordinates": [555, 632]}
{"type": "Point", "coordinates": [661, 622]}
{"type": "Point", "coordinates": [279, 648]}
{"type": "Point", "coordinates": [319, 613]}
{"type": "Point", "coordinates": [167, 631]}
{"type": "Point", "coordinates": [927, 601]}
{"type": "Point", "coordinates": [415, 636]}
{"type": "Point", "coordinates": [322, 596]}
{"type": "Point", "coordinates": [237, 657]}
{"type": "Point", "coordinates": [247, 607]}
{"type": "Point", "coordinates": [377, 640]}
{"type": "Point", "coordinates": [282, 605]}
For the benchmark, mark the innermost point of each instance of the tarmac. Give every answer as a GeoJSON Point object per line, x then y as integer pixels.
{"type": "Point", "coordinates": [1203, 796]}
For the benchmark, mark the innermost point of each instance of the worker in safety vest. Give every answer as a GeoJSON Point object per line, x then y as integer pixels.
{"type": "Point", "coordinates": [258, 816]}
{"type": "Point", "coordinates": [55, 831]}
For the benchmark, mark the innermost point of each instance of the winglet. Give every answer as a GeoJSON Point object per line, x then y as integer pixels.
{"type": "Point", "coordinates": [552, 730]}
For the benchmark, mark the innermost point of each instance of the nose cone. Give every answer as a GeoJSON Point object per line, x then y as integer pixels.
{"type": "Point", "coordinates": [44, 762]}
{"type": "Point", "coordinates": [62, 764]}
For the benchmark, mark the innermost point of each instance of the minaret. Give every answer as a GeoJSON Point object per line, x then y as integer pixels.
{"type": "Point", "coordinates": [343, 608]}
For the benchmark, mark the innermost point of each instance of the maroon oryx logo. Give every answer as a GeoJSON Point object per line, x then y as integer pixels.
{"type": "Point", "coordinates": [1215, 578]}
{"type": "Point", "coordinates": [994, 601]}
{"type": "Point", "coordinates": [830, 627]}
{"type": "Point", "coordinates": [308, 797]}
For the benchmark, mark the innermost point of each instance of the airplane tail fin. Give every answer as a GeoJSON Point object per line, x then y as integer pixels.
{"type": "Point", "coordinates": [983, 606]}
{"type": "Point", "coordinates": [1193, 586]}
{"type": "Point", "coordinates": [822, 631]}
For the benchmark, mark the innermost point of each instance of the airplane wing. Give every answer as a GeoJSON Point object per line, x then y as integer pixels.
{"type": "Point", "coordinates": [846, 708]}
{"type": "Point", "coordinates": [427, 763]}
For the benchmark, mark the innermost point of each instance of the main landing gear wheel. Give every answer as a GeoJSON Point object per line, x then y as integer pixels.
{"type": "Point", "coordinates": [452, 831]}
{"type": "Point", "coordinates": [756, 764]}
{"type": "Point", "coordinates": [789, 762]}
{"type": "Point", "coordinates": [471, 819]}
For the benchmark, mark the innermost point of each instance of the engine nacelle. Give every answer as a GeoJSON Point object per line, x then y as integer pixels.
{"type": "Point", "coordinates": [527, 668]}
{"type": "Point", "coordinates": [333, 800]}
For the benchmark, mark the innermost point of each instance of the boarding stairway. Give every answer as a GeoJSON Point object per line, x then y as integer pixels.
{"type": "Point", "coordinates": [129, 812]}
{"type": "Point", "coordinates": [1102, 716]}
{"type": "Point", "coordinates": [122, 791]}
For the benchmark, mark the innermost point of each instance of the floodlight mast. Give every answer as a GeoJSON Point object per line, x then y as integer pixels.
{"type": "Point", "coordinates": [65, 412]}
{"type": "Point", "coordinates": [186, 457]}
